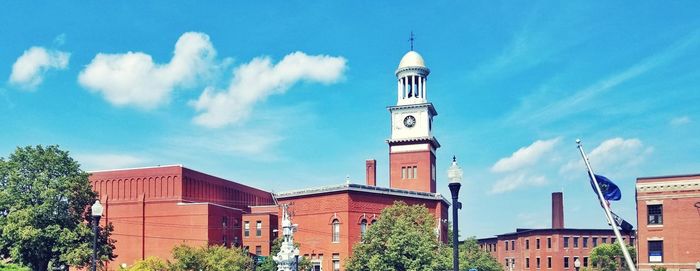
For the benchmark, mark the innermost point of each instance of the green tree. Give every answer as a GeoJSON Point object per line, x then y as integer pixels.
{"type": "Point", "coordinates": [12, 267]}
{"type": "Point", "coordinates": [44, 204]}
{"type": "Point", "coordinates": [149, 264]}
{"type": "Point", "coordinates": [212, 258]}
{"type": "Point", "coordinates": [471, 256]}
{"type": "Point", "coordinates": [609, 257]}
{"type": "Point", "coordinates": [402, 239]}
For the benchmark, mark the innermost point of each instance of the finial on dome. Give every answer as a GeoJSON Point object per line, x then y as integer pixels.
{"type": "Point", "coordinates": [412, 39]}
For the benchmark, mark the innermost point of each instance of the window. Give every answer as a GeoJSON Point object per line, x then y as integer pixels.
{"type": "Point", "coordinates": [605, 240]}
{"type": "Point", "coordinates": [655, 214]}
{"type": "Point", "coordinates": [549, 262]}
{"type": "Point", "coordinates": [258, 250]}
{"type": "Point", "coordinates": [363, 228]}
{"type": "Point", "coordinates": [527, 244]}
{"type": "Point", "coordinates": [336, 231]}
{"type": "Point", "coordinates": [595, 241]}
{"type": "Point", "coordinates": [612, 240]}
{"type": "Point", "coordinates": [512, 246]}
{"type": "Point", "coordinates": [549, 242]}
{"type": "Point", "coordinates": [566, 242]}
{"type": "Point", "coordinates": [585, 261]}
{"type": "Point", "coordinates": [566, 262]}
{"type": "Point", "coordinates": [246, 228]}
{"type": "Point", "coordinates": [656, 251]}
{"type": "Point", "coordinates": [537, 245]}
{"type": "Point", "coordinates": [538, 262]}
{"type": "Point", "coordinates": [574, 262]}
{"type": "Point", "coordinates": [258, 228]}
{"type": "Point", "coordinates": [527, 262]}
{"type": "Point", "coordinates": [506, 243]}
{"type": "Point", "coordinates": [224, 222]}
{"type": "Point", "coordinates": [336, 262]}
{"type": "Point", "coordinates": [575, 242]}
{"type": "Point", "coordinates": [409, 172]}
{"type": "Point", "coordinates": [585, 242]}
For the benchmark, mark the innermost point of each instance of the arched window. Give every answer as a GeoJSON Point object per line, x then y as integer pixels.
{"type": "Point", "coordinates": [336, 231]}
{"type": "Point", "coordinates": [363, 228]}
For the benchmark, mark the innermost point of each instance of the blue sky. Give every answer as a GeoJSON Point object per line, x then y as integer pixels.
{"type": "Point", "coordinates": [291, 94]}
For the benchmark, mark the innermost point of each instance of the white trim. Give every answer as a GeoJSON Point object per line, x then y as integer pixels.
{"type": "Point", "coordinates": [654, 202]}
{"type": "Point", "coordinates": [668, 196]}
{"type": "Point", "coordinates": [689, 184]}
{"type": "Point", "coordinates": [655, 238]}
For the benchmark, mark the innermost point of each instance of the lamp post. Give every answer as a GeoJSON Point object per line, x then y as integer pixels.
{"type": "Point", "coordinates": [454, 174]}
{"type": "Point", "coordinates": [577, 264]}
{"type": "Point", "coordinates": [697, 266]}
{"type": "Point", "coordinates": [96, 215]}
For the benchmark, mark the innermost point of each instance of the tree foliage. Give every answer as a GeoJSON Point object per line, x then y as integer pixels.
{"type": "Point", "coordinates": [402, 239]}
{"type": "Point", "coordinates": [44, 198]}
{"type": "Point", "coordinates": [471, 256]}
{"type": "Point", "coordinates": [152, 263]}
{"type": "Point", "coordinates": [609, 257]}
{"type": "Point", "coordinates": [188, 258]}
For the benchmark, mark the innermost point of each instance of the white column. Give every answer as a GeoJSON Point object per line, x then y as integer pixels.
{"type": "Point", "coordinates": [420, 87]}
{"type": "Point", "coordinates": [425, 93]}
{"type": "Point", "coordinates": [398, 84]}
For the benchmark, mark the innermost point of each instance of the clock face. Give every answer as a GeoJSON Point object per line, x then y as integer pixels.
{"type": "Point", "coordinates": [409, 121]}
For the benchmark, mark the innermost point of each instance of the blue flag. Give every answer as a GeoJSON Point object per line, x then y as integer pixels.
{"type": "Point", "coordinates": [608, 188]}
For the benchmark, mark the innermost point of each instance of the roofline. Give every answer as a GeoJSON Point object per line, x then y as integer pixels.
{"type": "Point", "coordinates": [549, 229]}
{"type": "Point", "coordinates": [361, 188]}
{"type": "Point", "coordinates": [209, 203]}
{"type": "Point", "coordinates": [669, 176]}
{"type": "Point", "coordinates": [134, 168]}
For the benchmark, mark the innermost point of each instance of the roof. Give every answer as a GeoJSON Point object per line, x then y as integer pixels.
{"type": "Point", "coordinates": [361, 188]}
{"type": "Point", "coordinates": [412, 59]}
{"type": "Point", "coordinates": [547, 230]}
{"type": "Point", "coordinates": [680, 176]}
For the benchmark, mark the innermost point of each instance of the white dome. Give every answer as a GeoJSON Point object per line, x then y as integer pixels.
{"type": "Point", "coordinates": [411, 59]}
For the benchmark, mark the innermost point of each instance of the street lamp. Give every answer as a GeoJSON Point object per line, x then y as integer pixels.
{"type": "Point", "coordinates": [697, 266]}
{"type": "Point", "coordinates": [454, 174]}
{"type": "Point", "coordinates": [96, 215]}
{"type": "Point", "coordinates": [577, 264]}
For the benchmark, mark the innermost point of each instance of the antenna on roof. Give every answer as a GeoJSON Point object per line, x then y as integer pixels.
{"type": "Point", "coordinates": [411, 39]}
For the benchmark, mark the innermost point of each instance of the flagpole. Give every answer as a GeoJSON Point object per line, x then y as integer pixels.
{"type": "Point", "coordinates": [608, 214]}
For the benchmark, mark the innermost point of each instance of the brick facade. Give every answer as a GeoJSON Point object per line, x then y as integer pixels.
{"type": "Point", "coordinates": [668, 217]}
{"type": "Point", "coordinates": [154, 209]}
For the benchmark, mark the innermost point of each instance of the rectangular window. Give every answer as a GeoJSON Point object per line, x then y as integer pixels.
{"type": "Point", "coordinates": [527, 262]}
{"type": "Point", "coordinates": [549, 242]}
{"type": "Point", "coordinates": [575, 242]}
{"type": "Point", "coordinates": [566, 242]}
{"type": "Point", "coordinates": [258, 228]}
{"type": "Point", "coordinates": [656, 251]}
{"type": "Point", "coordinates": [527, 244]}
{"type": "Point", "coordinates": [537, 245]}
{"type": "Point", "coordinates": [566, 262]}
{"type": "Point", "coordinates": [336, 262]}
{"type": "Point", "coordinates": [512, 245]}
{"type": "Point", "coordinates": [612, 240]}
{"type": "Point", "coordinates": [605, 240]}
{"type": "Point", "coordinates": [595, 241]}
{"type": "Point", "coordinates": [246, 228]}
{"type": "Point", "coordinates": [415, 172]}
{"type": "Point", "coordinates": [585, 261]}
{"type": "Point", "coordinates": [549, 262]}
{"type": "Point", "coordinates": [655, 214]}
{"type": "Point", "coordinates": [585, 242]}
{"type": "Point", "coordinates": [403, 172]}
{"type": "Point", "coordinates": [538, 262]}
{"type": "Point", "coordinates": [258, 250]}
{"type": "Point", "coordinates": [506, 244]}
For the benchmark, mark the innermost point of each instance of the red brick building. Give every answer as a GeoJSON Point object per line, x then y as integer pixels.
{"type": "Point", "coordinates": [555, 248]}
{"type": "Point", "coordinates": [154, 209]}
{"type": "Point", "coordinates": [668, 217]}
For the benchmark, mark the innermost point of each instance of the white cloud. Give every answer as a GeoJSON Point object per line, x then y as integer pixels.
{"type": "Point", "coordinates": [679, 121]}
{"type": "Point", "coordinates": [29, 69]}
{"type": "Point", "coordinates": [251, 143]}
{"type": "Point", "coordinates": [613, 155]}
{"type": "Point", "coordinates": [525, 156]}
{"type": "Point", "coordinates": [515, 181]}
{"type": "Point", "coordinates": [134, 79]}
{"type": "Point", "coordinates": [254, 81]}
{"type": "Point", "coordinates": [101, 161]}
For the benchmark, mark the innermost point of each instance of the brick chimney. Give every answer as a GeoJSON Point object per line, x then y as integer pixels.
{"type": "Point", "coordinates": [557, 210]}
{"type": "Point", "coordinates": [371, 167]}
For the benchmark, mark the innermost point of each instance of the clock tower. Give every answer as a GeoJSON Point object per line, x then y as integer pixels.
{"type": "Point", "coordinates": [412, 145]}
